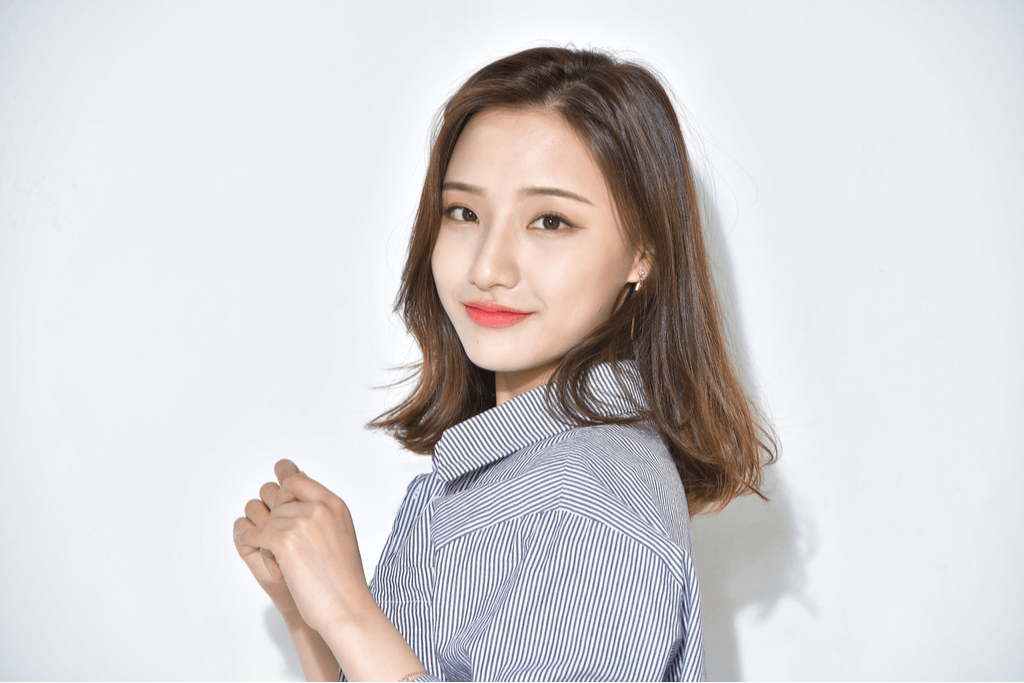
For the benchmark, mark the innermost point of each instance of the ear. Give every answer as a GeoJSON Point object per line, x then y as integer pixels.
{"type": "Point", "coordinates": [641, 262]}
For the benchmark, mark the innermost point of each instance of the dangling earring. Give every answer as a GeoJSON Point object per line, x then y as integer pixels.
{"type": "Point", "coordinates": [636, 288]}
{"type": "Point", "coordinates": [642, 273]}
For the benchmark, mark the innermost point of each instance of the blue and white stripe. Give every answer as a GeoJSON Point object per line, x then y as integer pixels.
{"type": "Point", "coordinates": [540, 551]}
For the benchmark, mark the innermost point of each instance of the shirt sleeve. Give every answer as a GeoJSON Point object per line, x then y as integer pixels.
{"type": "Point", "coordinates": [558, 596]}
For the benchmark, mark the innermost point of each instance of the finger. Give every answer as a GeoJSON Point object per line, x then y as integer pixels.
{"type": "Point", "coordinates": [250, 539]}
{"type": "Point", "coordinates": [292, 509]}
{"type": "Point", "coordinates": [267, 493]}
{"type": "Point", "coordinates": [257, 512]}
{"type": "Point", "coordinates": [285, 468]}
{"type": "Point", "coordinates": [254, 557]}
{"type": "Point", "coordinates": [241, 524]}
{"type": "Point", "coordinates": [271, 563]}
{"type": "Point", "coordinates": [301, 487]}
{"type": "Point", "coordinates": [268, 536]}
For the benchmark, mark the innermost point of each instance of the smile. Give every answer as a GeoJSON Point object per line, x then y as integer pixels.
{"type": "Point", "coordinates": [486, 314]}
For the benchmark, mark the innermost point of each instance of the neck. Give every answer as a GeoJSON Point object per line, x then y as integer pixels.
{"type": "Point", "coordinates": [508, 385]}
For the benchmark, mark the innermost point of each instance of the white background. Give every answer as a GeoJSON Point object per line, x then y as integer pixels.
{"type": "Point", "coordinates": [204, 210]}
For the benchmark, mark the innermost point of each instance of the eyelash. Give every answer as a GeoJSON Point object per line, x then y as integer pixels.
{"type": "Point", "coordinates": [566, 225]}
{"type": "Point", "coordinates": [450, 213]}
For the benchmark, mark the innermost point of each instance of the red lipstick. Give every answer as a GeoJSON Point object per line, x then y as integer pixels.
{"type": "Point", "coordinates": [489, 314]}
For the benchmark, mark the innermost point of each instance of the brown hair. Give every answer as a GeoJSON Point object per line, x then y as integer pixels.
{"type": "Point", "coordinates": [671, 328]}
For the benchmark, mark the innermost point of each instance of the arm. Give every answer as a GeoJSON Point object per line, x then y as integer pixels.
{"type": "Point", "coordinates": [318, 661]}
{"type": "Point", "coordinates": [581, 601]}
{"type": "Point", "coordinates": [308, 548]}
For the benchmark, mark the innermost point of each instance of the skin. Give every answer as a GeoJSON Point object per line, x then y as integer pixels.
{"type": "Point", "coordinates": [299, 543]}
{"type": "Point", "coordinates": [529, 224]}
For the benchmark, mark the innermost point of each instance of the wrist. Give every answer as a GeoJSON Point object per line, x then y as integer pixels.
{"type": "Point", "coordinates": [368, 646]}
{"type": "Point", "coordinates": [338, 610]}
{"type": "Point", "coordinates": [356, 614]}
{"type": "Point", "coordinates": [293, 620]}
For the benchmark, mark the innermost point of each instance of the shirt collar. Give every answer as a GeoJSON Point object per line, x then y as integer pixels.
{"type": "Point", "coordinates": [526, 419]}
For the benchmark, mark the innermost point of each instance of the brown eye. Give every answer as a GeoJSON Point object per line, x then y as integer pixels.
{"type": "Point", "coordinates": [461, 213]}
{"type": "Point", "coordinates": [550, 222]}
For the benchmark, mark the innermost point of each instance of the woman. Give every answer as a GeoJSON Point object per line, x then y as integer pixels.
{"type": "Point", "coordinates": [575, 392]}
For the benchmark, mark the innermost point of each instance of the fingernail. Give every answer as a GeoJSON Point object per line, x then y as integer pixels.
{"type": "Point", "coordinates": [276, 572]}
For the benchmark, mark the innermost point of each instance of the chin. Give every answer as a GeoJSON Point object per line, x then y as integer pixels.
{"type": "Point", "coordinates": [505, 352]}
{"type": "Point", "coordinates": [495, 364]}
{"type": "Point", "coordinates": [505, 364]}
{"type": "Point", "coordinates": [496, 361]}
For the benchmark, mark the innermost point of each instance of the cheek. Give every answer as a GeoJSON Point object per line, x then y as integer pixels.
{"type": "Point", "coordinates": [583, 287]}
{"type": "Point", "coordinates": [579, 288]}
{"type": "Point", "coordinates": [442, 264]}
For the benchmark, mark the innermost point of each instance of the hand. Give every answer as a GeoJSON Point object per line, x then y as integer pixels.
{"type": "Point", "coordinates": [262, 563]}
{"type": "Point", "coordinates": [308, 539]}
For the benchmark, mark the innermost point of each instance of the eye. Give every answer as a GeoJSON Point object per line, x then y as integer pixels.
{"type": "Point", "coordinates": [461, 214]}
{"type": "Point", "coordinates": [551, 222]}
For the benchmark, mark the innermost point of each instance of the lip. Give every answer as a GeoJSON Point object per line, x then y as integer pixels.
{"type": "Point", "coordinates": [489, 314]}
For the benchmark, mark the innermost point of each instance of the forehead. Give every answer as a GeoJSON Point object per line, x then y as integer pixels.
{"type": "Point", "coordinates": [536, 147]}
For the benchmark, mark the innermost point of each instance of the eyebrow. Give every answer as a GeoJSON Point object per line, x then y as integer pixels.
{"type": "Point", "coordinates": [526, 191]}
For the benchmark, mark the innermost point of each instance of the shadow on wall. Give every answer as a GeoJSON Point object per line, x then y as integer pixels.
{"type": "Point", "coordinates": [749, 556]}
{"type": "Point", "coordinates": [753, 553]}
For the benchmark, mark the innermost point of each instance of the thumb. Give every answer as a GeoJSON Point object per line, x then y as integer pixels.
{"type": "Point", "coordinates": [271, 563]}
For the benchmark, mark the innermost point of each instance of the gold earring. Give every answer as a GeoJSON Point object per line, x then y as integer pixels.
{"type": "Point", "coordinates": [642, 273]}
{"type": "Point", "coordinates": [636, 288]}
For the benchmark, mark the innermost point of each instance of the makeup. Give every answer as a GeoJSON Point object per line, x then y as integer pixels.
{"type": "Point", "coordinates": [488, 314]}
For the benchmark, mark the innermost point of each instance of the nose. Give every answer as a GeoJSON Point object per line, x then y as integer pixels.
{"type": "Point", "coordinates": [496, 263]}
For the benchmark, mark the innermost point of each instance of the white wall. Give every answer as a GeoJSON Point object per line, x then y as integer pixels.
{"type": "Point", "coordinates": [203, 214]}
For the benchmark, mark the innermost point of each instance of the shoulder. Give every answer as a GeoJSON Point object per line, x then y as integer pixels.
{"type": "Point", "coordinates": [620, 477]}
{"type": "Point", "coordinates": [614, 455]}
{"type": "Point", "coordinates": [623, 476]}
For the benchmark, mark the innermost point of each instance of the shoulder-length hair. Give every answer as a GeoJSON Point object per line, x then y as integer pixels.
{"type": "Point", "coordinates": [670, 328]}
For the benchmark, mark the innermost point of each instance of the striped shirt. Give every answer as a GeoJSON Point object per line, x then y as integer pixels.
{"type": "Point", "coordinates": [536, 550]}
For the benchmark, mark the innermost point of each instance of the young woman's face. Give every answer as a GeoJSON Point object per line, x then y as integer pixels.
{"type": "Point", "coordinates": [530, 257]}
